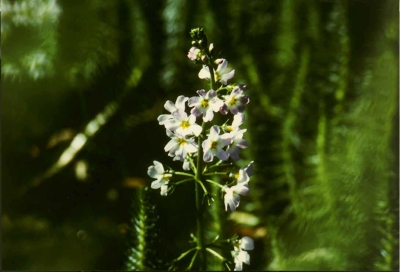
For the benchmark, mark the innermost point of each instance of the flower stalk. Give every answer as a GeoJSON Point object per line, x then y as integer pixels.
{"type": "Point", "coordinates": [199, 207]}
{"type": "Point", "coordinates": [207, 143]}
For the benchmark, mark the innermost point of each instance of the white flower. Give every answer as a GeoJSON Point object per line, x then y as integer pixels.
{"type": "Point", "coordinates": [179, 146]}
{"type": "Point", "coordinates": [240, 257]}
{"type": "Point", "coordinates": [171, 107]}
{"type": "Point", "coordinates": [213, 145]}
{"type": "Point", "coordinates": [205, 104]}
{"type": "Point", "coordinates": [232, 197]}
{"type": "Point", "coordinates": [164, 189]}
{"type": "Point", "coordinates": [194, 53]}
{"type": "Point", "coordinates": [219, 74]}
{"type": "Point", "coordinates": [243, 176]}
{"type": "Point", "coordinates": [183, 124]}
{"type": "Point", "coordinates": [238, 119]}
{"type": "Point", "coordinates": [237, 142]}
{"type": "Point", "coordinates": [246, 243]}
{"type": "Point", "coordinates": [162, 177]}
{"type": "Point", "coordinates": [236, 101]}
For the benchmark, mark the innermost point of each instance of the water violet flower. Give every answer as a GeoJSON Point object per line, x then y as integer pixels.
{"type": "Point", "coordinates": [205, 104]}
{"type": "Point", "coordinates": [220, 74]}
{"type": "Point", "coordinates": [171, 107]}
{"type": "Point", "coordinates": [213, 145]}
{"type": "Point", "coordinates": [157, 171]}
{"type": "Point", "coordinates": [232, 198]}
{"type": "Point", "coordinates": [240, 257]}
{"type": "Point", "coordinates": [179, 146]}
{"type": "Point", "coordinates": [183, 124]}
{"type": "Point", "coordinates": [236, 101]}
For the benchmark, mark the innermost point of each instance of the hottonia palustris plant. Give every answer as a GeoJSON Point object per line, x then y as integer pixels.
{"type": "Point", "coordinates": [208, 148]}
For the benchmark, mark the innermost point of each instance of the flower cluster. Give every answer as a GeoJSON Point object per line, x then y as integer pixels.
{"type": "Point", "coordinates": [240, 254]}
{"type": "Point", "coordinates": [204, 144]}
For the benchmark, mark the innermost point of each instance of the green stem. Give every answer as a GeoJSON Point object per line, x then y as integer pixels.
{"type": "Point", "coordinates": [192, 261]}
{"type": "Point", "coordinates": [183, 181]}
{"type": "Point", "coordinates": [199, 207]}
{"type": "Point", "coordinates": [213, 182]}
{"type": "Point", "coordinates": [199, 175]}
{"type": "Point", "coordinates": [216, 173]}
{"type": "Point", "coordinates": [183, 255]}
{"type": "Point", "coordinates": [183, 174]}
{"type": "Point", "coordinates": [202, 186]}
{"type": "Point", "coordinates": [216, 254]}
{"type": "Point", "coordinates": [192, 164]}
{"type": "Point", "coordinates": [212, 82]}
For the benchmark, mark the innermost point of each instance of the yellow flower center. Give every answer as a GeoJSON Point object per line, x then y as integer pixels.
{"type": "Point", "coordinates": [232, 101]}
{"type": "Point", "coordinates": [185, 124]}
{"type": "Point", "coordinates": [166, 176]}
{"type": "Point", "coordinates": [213, 144]}
{"type": "Point", "coordinates": [236, 175]}
{"type": "Point", "coordinates": [217, 76]}
{"type": "Point", "coordinates": [181, 141]}
{"type": "Point", "coordinates": [229, 128]}
{"type": "Point", "coordinates": [204, 103]}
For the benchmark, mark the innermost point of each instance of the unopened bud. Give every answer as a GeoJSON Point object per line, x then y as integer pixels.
{"type": "Point", "coordinates": [218, 61]}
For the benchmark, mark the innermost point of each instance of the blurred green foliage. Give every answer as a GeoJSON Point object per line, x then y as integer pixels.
{"type": "Point", "coordinates": [322, 123]}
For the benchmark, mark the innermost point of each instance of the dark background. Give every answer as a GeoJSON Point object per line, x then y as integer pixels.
{"type": "Point", "coordinates": [322, 125]}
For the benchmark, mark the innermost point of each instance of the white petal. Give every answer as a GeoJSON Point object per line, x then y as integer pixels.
{"type": "Point", "coordinates": [163, 118]}
{"type": "Point", "coordinates": [164, 189]}
{"type": "Point", "coordinates": [226, 77]}
{"type": "Point", "coordinates": [152, 172]}
{"type": "Point", "coordinates": [222, 155]}
{"type": "Point", "coordinates": [214, 131]}
{"type": "Point", "coordinates": [204, 73]}
{"type": "Point", "coordinates": [170, 134]}
{"type": "Point", "coordinates": [241, 143]}
{"type": "Point", "coordinates": [228, 200]}
{"type": "Point", "coordinates": [180, 102]}
{"type": "Point", "coordinates": [244, 257]}
{"type": "Point", "coordinates": [243, 177]}
{"type": "Point", "coordinates": [226, 139]}
{"type": "Point", "coordinates": [208, 116]}
{"type": "Point", "coordinates": [170, 145]}
{"type": "Point", "coordinates": [211, 94]}
{"type": "Point", "coordinates": [196, 129]}
{"type": "Point", "coordinates": [180, 115]}
{"type": "Point", "coordinates": [190, 148]}
{"type": "Point", "coordinates": [217, 104]}
{"type": "Point", "coordinates": [172, 124]}
{"type": "Point", "coordinates": [222, 66]}
{"type": "Point", "coordinates": [202, 92]}
{"type": "Point", "coordinates": [238, 119]}
{"type": "Point", "coordinates": [156, 184]}
{"type": "Point", "coordinates": [170, 106]}
{"type": "Point", "coordinates": [193, 101]}
{"type": "Point", "coordinates": [249, 168]}
{"type": "Point", "coordinates": [186, 165]}
{"type": "Point", "coordinates": [246, 243]}
{"type": "Point", "coordinates": [241, 189]}
{"type": "Point", "coordinates": [208, 156]}
{"type": "Point", "coordinates": [159, 167]}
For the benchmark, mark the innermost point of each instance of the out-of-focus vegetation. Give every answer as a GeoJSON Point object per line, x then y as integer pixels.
{"type": "Point", "coordinates": [84, 81]}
